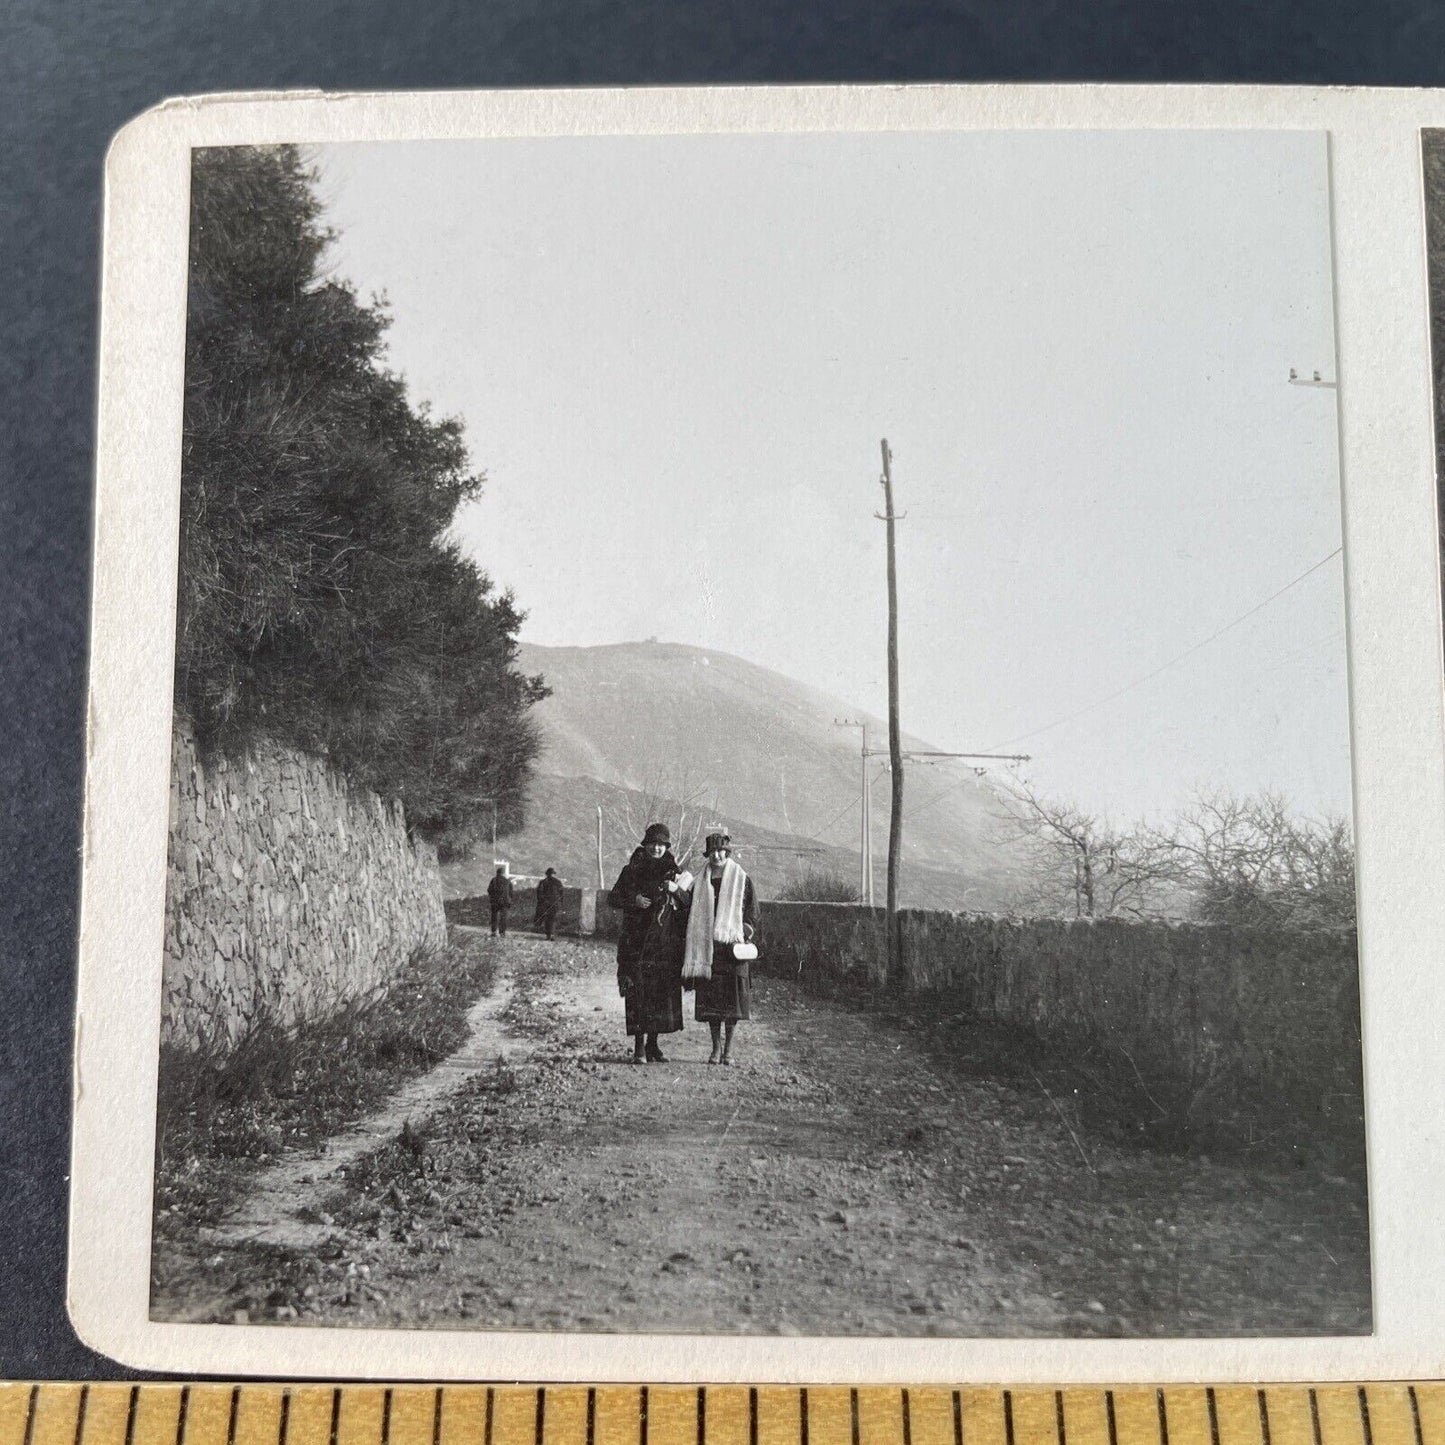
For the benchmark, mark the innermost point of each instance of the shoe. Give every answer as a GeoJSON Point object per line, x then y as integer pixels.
{"type": "Point", "coordinates": [656, 1056]}
{"type": "Point", "coordinates": [727, 1062]}
{"type": "Point", "coordinates": [714, 1059]}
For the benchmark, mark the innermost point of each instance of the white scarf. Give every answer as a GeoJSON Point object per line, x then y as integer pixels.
{"type": "Point", "coordinates": [707, 925]}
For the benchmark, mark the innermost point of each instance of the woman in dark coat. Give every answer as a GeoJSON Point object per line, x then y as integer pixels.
{"type": "Point", "coordinates": [649, 948]}
{"type": "Point", "coordinates": [723, 921]}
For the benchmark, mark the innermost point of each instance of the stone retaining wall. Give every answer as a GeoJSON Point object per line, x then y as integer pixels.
{"type": "Point", "coordinates": [291, 893]}
{"type": "Point", "coordinates": [1261, 1020]}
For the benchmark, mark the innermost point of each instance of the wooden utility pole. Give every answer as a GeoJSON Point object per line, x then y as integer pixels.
{"type": "Point", "coordinates": [865, 831]}
{"type": "Point", "coordinates": [865, 850]}
{"type": "Point", "coordinates": [601, 877]}
{"type": "Point", "coordinates": [493, 802]}
{"type": "Point", "coordinates": [895, 737]}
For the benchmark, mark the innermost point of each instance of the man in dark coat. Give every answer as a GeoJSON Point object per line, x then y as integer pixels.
{"type": "Point", "coordinates": [549, 902]}
{"type": "Point", "coordinates": [649, 947]}
{"type": "Point", "coordinates": [499, 895]}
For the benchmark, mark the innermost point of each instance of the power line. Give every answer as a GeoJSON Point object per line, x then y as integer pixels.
{"type": "Point", "coordinates": [1138, 682]}
{"type": "Point", "coordinates": [1173, 661]}
{"type": "Point", "coordinates": [947, 792]}
{"type": "Point", "coordinates": [814, 835]}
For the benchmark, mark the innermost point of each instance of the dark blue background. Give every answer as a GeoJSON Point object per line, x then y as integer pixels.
{"type": "Point", "coordinates": [72, 71]}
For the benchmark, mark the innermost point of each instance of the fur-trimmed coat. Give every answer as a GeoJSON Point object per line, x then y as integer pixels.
{"type": "Point", "coordinates": [649, 946]}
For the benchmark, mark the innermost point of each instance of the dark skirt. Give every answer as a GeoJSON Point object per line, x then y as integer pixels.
{"type": "Point", "coordinates": [726, 996]}
{"type": "Point", "coordinates": [654, 998]}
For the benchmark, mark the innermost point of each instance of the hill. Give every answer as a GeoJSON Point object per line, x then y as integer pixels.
{"type": "Point", "coordinates": [633, 724]}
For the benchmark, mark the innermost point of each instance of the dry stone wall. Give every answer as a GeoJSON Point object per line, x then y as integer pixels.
{"type": "Point", "coordinates": [1260, 1020]}
{"type": "Point", "coordinates": [290, 893]}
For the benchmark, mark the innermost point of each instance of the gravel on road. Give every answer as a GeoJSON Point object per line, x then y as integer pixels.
{"type": "Point", "coordinates": [841, 1178]}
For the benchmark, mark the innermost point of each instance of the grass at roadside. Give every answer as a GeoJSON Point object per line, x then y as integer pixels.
{"type": "Point", "coordinates": [1098, 1094]}
{"type": "Point", "coordinates": [221, 1116]}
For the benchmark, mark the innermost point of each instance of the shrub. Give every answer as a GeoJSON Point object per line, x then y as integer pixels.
{"type": "Point", "coordinates": [281, 1087]}
{"type": "Point", "coordinates": [819, 885]}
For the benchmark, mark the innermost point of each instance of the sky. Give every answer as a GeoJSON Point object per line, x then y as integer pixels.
{"type": "Point", "coordinates": [675, 358]}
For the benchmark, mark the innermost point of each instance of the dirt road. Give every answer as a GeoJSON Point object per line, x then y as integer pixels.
{"type": "Point", "coordinates": [844, 1177]}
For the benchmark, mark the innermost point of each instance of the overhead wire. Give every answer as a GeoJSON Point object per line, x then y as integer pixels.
{"type": "Point", "coordinates": [1138, 681]}
{"type": "Point", "coordinates": [846, 808]}
{"type": "Point", "coordinates": [816, 835]}
{"type": "Point", "coordinates": [1172, 662]}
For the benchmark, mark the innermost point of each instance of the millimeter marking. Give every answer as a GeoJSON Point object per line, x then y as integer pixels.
{"type": "Point", "coordinates": [260, 1413]}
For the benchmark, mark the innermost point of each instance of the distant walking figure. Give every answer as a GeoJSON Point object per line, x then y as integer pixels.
{"type": "Point", "coordinates": [549, 902]}
{"type": "Point", "coordinates": [722, 929]}
{"type": "Point", "coordinates": [649, 948]}
{"type": "Point", "coordinates": [499, 895]}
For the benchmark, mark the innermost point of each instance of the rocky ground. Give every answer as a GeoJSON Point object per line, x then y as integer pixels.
{"type": "Point", "coordinates": [849, 1175]}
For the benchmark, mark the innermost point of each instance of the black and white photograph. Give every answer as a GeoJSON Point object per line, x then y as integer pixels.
{"type": "Point", "coordinates": [761, 741]}
{"type": "Point", "coordinates": [781, 732]}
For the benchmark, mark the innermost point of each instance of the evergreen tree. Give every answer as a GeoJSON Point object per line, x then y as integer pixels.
{"type": "Point", "coordinates": [321, 602]}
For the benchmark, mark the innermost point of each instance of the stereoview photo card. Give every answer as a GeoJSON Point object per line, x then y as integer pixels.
{"type": "Point", "coordinates": [738, 724]}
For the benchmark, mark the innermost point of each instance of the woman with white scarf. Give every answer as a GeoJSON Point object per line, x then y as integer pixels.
{"type": "Point", "coordinates": [722, 929]}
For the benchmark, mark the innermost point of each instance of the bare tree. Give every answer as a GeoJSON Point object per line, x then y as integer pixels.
{"type": "Point", "coordinates": [1322, 875]}
{"type": "Point", "coordinates": [1251, 860]}
{"type": "Point", "coordinates": [672, 797]}
{"type": "Point", "coordinates": [1083, 863]}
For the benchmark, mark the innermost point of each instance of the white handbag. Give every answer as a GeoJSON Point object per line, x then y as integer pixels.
{"type": "Point", "coordinates": [745, 952]}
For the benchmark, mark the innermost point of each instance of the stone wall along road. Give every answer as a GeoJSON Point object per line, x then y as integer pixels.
{"type": "Point", "coordinates": [290, 892]}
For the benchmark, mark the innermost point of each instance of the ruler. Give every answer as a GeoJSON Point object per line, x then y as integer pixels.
{"type": "Point", "coordinates": [266, 1414]}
